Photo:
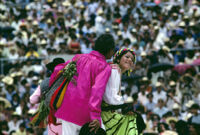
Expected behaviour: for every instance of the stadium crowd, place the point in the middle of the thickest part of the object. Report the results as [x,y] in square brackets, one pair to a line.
[164,86]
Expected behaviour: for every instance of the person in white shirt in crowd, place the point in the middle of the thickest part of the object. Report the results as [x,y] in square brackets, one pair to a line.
[164,55]
[172,99]
[142,95]
[42,48]
[160,109]
[15,122]
[189,41]
[133,35]
[37,67]
[88,28]
[159,93]
[92,7]
[27,67]
[123,8]
[194,8]
[126,33]
[150,105]
[85,46]
[99,22]
[22,107]
[174,85]
[111,2]
[190,57]
[176,111]
[13,55]
[195,114]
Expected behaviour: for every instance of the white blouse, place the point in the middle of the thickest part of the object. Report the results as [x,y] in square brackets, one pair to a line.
[111,95]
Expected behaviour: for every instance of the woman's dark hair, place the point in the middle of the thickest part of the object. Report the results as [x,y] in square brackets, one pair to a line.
[160,128]
[104,44]
[115,60]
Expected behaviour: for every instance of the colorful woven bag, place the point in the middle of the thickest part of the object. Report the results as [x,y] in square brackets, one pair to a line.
[53,97]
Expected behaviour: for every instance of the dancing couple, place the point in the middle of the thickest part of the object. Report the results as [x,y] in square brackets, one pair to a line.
[94,94]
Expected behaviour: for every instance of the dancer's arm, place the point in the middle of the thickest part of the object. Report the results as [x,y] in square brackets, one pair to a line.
[35,97]
[97,93]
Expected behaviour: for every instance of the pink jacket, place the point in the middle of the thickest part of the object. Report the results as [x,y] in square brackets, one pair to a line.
[82,102]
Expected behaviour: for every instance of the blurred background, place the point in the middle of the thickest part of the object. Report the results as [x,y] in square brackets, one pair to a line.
[165,34]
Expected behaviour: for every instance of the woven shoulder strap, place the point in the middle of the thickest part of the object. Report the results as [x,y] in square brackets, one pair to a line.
[44,86]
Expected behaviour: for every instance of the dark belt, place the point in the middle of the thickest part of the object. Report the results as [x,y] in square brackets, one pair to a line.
[126,107]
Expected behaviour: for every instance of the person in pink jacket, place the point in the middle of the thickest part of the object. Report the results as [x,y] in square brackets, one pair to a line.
[36,97]
[52,129]
[82,101]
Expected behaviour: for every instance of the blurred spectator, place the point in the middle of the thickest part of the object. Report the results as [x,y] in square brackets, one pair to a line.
[162,127]
[142,95]
[31,53]
[160,109]
[15,101]
[176,111]
[171,121]
[150,105]
[172,98]
[159,93]
[21,130]
[74,45]
[14,124]
[196,115]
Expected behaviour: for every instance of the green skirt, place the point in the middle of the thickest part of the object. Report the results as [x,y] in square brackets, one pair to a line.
[119,124]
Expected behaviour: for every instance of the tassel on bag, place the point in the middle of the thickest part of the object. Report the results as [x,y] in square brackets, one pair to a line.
[40,116]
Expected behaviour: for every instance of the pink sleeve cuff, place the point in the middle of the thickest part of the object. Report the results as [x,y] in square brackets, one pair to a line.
[35,97]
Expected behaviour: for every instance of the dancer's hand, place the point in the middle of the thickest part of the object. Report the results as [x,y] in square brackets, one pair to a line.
[95,124]
[130,113]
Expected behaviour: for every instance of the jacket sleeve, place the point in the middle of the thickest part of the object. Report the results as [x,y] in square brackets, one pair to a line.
[97,93]
[35,97]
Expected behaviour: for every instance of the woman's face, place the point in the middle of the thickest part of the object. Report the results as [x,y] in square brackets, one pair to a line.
[126,62]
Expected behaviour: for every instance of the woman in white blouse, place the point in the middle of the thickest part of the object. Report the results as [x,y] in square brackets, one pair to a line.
[115,122]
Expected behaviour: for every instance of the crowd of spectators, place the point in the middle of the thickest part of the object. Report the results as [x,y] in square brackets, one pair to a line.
[165,34]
